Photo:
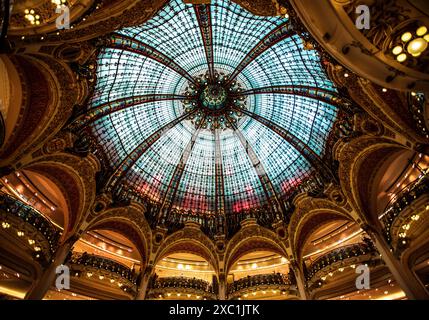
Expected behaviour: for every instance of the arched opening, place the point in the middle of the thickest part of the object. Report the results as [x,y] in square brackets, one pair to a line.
[261,274]
[395,171]
[39,192]
[183,272]
[334,254]
[107,258]
[33,214]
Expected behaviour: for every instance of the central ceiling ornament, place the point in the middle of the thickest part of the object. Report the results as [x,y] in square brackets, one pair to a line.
[217,101]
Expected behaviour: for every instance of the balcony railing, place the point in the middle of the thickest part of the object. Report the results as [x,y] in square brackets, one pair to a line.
[338,255]
[183,283]
[417,103]
[14,212]
[252,283]
[103,265]
[405,198]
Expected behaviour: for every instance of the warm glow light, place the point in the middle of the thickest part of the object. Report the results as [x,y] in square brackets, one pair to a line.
[402,57]
[397,50]
[59,2]
[417,46]
[406,36]
[421,31]
[254,266]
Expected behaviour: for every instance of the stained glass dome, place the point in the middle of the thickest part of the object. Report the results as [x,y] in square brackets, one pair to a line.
[210,109]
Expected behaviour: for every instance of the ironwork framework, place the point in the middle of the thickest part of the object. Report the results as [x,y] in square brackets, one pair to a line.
[138,116]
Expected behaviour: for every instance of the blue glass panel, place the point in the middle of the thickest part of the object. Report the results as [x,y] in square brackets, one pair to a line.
[123,72]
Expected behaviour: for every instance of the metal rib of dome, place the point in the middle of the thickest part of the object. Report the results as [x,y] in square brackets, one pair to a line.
[210,108]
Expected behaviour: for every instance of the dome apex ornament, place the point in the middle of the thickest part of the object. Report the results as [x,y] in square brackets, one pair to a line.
[217,101]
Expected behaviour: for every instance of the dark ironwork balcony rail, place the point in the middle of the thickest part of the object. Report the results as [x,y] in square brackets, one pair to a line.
[417,104]
[102,263]
[182,283]
[404,198]
[12,206]
[339,254]
[260,280]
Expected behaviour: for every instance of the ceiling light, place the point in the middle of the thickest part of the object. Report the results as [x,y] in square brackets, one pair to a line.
[406,36]
[417,46]
[397,50]
[421,31]
[402,57]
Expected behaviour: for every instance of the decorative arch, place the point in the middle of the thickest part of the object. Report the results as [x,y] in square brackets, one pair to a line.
[252,238]
[311,224]
[49,92]
[75,177]
[130,222]
[359,160]
[309,214]
[189,240]
[127,229]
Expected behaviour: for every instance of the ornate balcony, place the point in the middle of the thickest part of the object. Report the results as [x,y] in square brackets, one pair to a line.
[339,259]
[274,282]
[417,104]
[397,206]
[28,227]
[181,286]
[107,272]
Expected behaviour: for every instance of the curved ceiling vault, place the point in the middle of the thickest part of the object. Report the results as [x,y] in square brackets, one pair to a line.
[210,108]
